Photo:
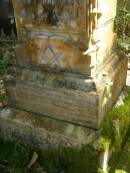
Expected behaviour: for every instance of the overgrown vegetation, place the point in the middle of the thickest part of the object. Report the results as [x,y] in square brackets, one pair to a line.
[117,121]
[114,129]
[123,25]
[7,66]
[7,59]
[123,158]
[14,158]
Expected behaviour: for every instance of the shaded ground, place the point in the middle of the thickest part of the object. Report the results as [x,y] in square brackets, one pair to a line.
[14,158]
[123,160]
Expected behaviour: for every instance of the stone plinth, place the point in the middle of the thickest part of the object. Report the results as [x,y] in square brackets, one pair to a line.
[42,132]
[68,66]
[69,97]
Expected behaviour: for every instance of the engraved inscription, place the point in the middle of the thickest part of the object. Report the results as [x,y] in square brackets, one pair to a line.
[54,34]
[66,84]
[54,51]
[58,81]
[60,14]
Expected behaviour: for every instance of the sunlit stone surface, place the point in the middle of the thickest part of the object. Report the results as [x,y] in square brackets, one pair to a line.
[55,33]
[68,65]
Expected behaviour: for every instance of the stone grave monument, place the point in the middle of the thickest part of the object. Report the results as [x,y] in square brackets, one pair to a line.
[69,68]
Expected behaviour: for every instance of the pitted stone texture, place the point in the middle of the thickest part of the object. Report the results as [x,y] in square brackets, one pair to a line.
[62,44]
[54,51]
[69,97]
[53,34]
[72,35]
[52,14]
[42,132]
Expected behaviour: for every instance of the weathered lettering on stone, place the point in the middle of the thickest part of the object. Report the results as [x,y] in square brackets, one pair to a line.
[59,14]
[53,33]
[66,84]
[65,48]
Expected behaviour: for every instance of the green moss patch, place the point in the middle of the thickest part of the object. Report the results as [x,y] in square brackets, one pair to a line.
[117,122]
[14,158]
[122,161]
[114,129]
[7,58]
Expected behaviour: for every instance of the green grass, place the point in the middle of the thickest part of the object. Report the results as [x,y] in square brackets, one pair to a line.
[3,98]
[114,129]
[7,59]
[122,161]
[116,124]
[70,160]
[14,158]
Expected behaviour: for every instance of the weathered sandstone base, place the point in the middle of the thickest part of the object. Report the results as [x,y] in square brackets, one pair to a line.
[42,132]
[69,97]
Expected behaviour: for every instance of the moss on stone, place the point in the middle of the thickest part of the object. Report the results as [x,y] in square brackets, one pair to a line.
[76,160]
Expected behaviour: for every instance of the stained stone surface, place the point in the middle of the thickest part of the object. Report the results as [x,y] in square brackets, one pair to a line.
[68,64]
[58,51]
[70,34]
[69,97]
[53,33]
[59,14]
[42,132]
[60,96]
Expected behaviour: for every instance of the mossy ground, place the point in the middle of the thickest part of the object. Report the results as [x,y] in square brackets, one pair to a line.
[115,130]
[122,161]
[14,158]
[7,58]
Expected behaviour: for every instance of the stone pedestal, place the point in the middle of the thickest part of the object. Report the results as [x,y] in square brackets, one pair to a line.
[73,98]
[68,66]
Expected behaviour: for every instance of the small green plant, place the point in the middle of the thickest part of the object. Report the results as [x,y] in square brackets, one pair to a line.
[121,23]
[123,16]
[6,57]
[3,98]
[14,158]
[115,127]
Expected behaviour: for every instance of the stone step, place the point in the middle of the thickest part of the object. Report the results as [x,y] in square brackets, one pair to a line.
[42,132]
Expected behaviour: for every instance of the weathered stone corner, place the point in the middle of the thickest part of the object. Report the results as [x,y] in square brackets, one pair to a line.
[69,69]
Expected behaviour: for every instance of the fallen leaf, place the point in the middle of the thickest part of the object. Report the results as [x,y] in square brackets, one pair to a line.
[1,105]
[33,160]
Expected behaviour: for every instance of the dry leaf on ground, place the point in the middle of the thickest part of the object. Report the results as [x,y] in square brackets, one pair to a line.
[33,160]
